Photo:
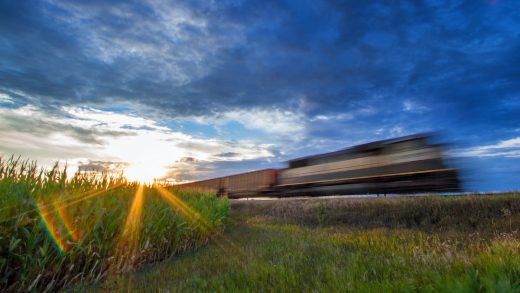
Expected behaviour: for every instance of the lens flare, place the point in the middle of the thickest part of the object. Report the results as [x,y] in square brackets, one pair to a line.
[66,202]
[65,220]
[129,239]
[186,212]
[51,228]
[230,248]
[52,214]
[77,199]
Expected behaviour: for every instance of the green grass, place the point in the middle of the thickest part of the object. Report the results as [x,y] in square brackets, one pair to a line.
[446,244]
[57,231]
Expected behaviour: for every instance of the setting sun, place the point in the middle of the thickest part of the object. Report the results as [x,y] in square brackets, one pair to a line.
[143,172]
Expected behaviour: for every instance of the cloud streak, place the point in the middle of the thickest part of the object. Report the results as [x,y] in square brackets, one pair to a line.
[509,148]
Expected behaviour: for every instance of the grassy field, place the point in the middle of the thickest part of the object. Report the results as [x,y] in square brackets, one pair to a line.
[427,244]
[56,231]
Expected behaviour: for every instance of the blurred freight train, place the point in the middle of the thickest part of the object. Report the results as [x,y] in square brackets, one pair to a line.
[402,165]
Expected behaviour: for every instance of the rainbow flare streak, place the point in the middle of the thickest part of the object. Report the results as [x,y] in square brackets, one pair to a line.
[51,228]
[66,202]
[65,220]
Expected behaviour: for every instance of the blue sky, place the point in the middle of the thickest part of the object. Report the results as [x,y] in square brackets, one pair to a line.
[197,89]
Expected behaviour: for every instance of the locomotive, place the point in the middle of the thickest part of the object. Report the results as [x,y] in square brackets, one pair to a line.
[407,164]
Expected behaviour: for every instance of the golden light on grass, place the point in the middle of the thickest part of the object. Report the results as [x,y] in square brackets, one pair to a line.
[190,215]
[52,229]
[129,239]
[56,219]
[87,195]
[195,217]
[66,221]
[185,211]
[64,202]
[230,248]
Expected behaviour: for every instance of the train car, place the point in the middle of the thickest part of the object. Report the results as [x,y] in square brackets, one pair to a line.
[250,184]
[210,185]
[402,165]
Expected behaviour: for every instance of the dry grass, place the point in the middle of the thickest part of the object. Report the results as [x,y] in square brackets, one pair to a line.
[435,244]
[475,212]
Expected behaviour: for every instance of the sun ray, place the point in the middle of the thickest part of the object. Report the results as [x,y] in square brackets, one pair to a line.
[76,200]
[230,248]
[129,239]
[186,211]
[65,220]
[66,202]
[51,228]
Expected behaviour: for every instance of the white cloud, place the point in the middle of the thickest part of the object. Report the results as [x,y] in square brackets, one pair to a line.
[505,148]
[142,142]
[396,130]
[269,120]
[337,117]
[346,116]
[89,117]
[282,123]
[5,99]
[413,106]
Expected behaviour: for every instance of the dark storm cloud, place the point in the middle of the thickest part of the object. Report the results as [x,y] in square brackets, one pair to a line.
[457,59]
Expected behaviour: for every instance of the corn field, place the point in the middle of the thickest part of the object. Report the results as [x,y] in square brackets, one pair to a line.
[57,231]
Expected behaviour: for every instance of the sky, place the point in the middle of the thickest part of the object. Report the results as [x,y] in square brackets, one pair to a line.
[187,90]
